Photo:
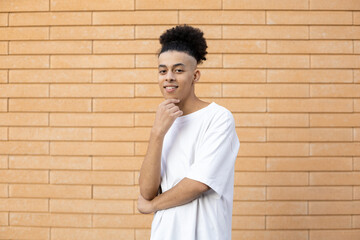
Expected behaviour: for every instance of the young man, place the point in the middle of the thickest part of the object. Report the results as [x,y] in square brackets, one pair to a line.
[187,175]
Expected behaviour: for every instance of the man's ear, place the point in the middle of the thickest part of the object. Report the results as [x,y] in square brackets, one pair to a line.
[197,75]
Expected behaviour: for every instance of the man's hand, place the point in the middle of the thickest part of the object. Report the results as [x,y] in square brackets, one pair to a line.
[165,116]
[145,206]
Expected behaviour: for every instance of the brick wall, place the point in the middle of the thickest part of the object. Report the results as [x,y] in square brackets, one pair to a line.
[77,99]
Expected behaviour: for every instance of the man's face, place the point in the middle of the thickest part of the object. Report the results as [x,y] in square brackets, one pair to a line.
[176,74]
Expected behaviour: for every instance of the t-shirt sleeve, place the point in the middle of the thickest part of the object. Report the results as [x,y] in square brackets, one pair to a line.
[215,156]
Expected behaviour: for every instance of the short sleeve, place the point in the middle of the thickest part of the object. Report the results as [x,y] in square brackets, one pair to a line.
[215,156]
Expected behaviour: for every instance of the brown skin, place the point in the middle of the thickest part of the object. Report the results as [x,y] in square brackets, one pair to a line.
[180,69]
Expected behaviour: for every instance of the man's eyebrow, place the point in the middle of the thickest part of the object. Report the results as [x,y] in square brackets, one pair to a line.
[175,65]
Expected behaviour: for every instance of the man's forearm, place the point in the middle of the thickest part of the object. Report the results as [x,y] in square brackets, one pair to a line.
[149,180]
[182,193]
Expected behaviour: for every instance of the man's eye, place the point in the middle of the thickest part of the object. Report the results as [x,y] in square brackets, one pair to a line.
[162,71]
[178,70]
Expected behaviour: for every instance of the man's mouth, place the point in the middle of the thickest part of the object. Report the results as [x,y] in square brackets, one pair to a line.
[170,89]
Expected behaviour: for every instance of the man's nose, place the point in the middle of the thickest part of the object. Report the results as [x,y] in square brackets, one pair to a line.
[170,76]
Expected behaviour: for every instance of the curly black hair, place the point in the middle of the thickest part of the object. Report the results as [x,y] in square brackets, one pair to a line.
[184,38]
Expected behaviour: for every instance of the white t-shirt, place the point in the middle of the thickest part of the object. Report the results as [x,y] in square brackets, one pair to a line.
[202,146]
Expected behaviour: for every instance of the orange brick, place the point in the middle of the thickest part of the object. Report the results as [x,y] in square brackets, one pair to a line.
[334,207]
[174,4]
[268,178]
[356,105]
[310,75]
[338,90]
[127,105]
[357,189]
[265,90]
[3,48]
[248,222]
[233,75]
[350,234]
[25,232]
[356,76]
[91,234]
[135,17]
[140,148]
[265,61]
[4,192]
[61,5]
[263,4]
[50,105]
[49,133]
[356,133]
[117,163]
[324,47]
[24,33]
[251,163]
[251,134]
[154,31]
[236,46]
[24,90]
[356,221]
[265,32]
[271,120]
[241,105]
[4,219]
[308,134]
[91,177]
[334,178]
[309,17]
[24,147]
[249,193]
[122,221]
[92,32]
[126,46]
[4,105]
[222,17]
[91,206]
[50,18]
[125,76]
[335,61]
[4,19]
[308,222]
[18,204]
[92,119]
[20,119]
[342,149]
[3,76]
[335,5]
[309,105]
[50,47]
[50,220]
[269,208]
[24,5]
[144,119]
[121,134]
[309,193]
[270,235]
[309,164]
[24,61]
[334,32]
[91,148]
[49,162]
[91,90]
[23,176]
[142,234]
[118,192]
[4,133]
[335,120]
[50,76]
[92,61]
[356,46]
[356,18]
[49,191]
